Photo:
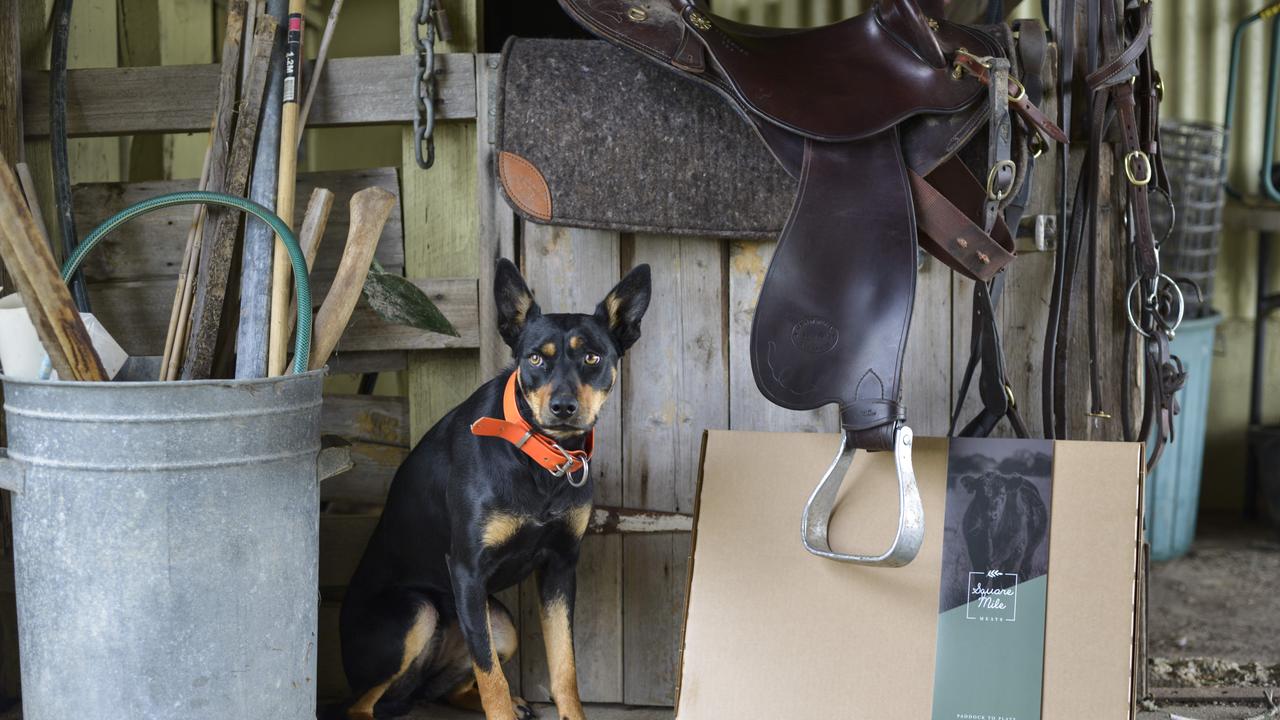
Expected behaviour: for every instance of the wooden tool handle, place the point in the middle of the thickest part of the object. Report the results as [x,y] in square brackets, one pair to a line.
[370,209]
[47,299]
[286,187]
[313,227]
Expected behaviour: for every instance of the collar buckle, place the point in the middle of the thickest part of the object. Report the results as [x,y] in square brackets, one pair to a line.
[568,461]
[566,470]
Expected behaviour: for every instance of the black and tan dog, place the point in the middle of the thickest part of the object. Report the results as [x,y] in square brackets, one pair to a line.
[475,509]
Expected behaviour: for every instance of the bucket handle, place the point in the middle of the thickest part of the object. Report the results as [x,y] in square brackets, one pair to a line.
[302,346]
[332,461]
[12,477]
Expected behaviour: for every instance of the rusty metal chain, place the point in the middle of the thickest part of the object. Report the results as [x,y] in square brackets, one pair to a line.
[431,22]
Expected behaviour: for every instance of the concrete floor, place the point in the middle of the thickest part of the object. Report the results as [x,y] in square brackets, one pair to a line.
[1213,623]
[609,712]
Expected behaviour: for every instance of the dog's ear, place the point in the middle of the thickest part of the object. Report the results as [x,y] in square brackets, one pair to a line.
[625,304]
[515,302]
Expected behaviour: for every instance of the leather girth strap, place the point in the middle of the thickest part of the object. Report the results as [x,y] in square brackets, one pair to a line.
[519,432]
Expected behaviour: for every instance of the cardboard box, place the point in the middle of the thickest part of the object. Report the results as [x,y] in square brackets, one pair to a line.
[774,633]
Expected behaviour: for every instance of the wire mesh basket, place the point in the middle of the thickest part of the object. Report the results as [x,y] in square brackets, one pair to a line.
[1193,157]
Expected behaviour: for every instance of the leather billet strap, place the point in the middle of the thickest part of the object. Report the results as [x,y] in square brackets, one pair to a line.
[1032,47]
[994,389]
[998,401]
[1001,172]
[948,224]
[1018,97]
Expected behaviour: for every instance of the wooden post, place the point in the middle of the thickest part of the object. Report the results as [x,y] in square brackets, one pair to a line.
[10,146]
[10,116]
[140,44]
[440,226]
[186,37]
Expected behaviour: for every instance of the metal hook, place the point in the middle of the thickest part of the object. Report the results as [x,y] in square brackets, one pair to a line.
[821,505]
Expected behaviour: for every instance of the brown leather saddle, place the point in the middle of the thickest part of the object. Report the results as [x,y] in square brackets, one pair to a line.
[869,115]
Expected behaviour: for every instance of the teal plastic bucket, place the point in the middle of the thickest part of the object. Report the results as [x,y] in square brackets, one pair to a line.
[1173,489]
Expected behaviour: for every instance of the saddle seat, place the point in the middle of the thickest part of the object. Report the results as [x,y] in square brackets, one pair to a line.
[839,82]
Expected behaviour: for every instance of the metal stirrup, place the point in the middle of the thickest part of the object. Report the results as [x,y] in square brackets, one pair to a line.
[817,512]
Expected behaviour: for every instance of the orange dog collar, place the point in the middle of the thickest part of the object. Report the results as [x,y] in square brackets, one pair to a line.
[544,451]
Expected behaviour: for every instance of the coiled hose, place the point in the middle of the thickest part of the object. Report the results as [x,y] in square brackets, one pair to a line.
[302,346]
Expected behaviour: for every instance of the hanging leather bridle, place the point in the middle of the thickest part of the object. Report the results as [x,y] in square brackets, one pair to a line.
[1122,88]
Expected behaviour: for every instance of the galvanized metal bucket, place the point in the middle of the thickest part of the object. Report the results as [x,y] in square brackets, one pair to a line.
[166,546]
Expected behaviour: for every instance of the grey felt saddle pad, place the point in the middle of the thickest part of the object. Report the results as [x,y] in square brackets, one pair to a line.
[590,135]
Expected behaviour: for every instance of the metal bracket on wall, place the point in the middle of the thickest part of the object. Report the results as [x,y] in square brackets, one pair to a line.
[1037,233]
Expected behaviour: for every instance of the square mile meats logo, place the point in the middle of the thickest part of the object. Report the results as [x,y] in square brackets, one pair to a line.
[993,597]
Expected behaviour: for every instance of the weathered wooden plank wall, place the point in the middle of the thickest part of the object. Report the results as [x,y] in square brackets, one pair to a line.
[441,222]
[676,384]
[570,270]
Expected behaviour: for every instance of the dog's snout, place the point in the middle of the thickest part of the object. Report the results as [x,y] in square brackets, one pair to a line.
[564,406]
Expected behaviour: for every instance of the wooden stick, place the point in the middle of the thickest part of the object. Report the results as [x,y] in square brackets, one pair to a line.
[286,188]
[370,209]
[321,56]
[33,201]
[48,301]
[183,329]
[313,226]
[178,315]
[213,178]
[215,256]
[250,17]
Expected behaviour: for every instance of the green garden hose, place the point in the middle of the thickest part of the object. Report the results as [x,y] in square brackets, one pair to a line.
[302,346]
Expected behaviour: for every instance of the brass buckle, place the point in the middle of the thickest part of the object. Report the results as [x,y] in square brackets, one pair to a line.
[960,69]
[1129,169]
[1002,193]
[1038,145]
[983,60]
[1008,394]
[1022,90]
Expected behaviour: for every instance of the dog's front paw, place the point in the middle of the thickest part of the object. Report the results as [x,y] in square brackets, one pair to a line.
[524,711]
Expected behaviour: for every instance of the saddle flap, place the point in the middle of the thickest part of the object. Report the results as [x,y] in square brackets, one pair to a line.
[831,323]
